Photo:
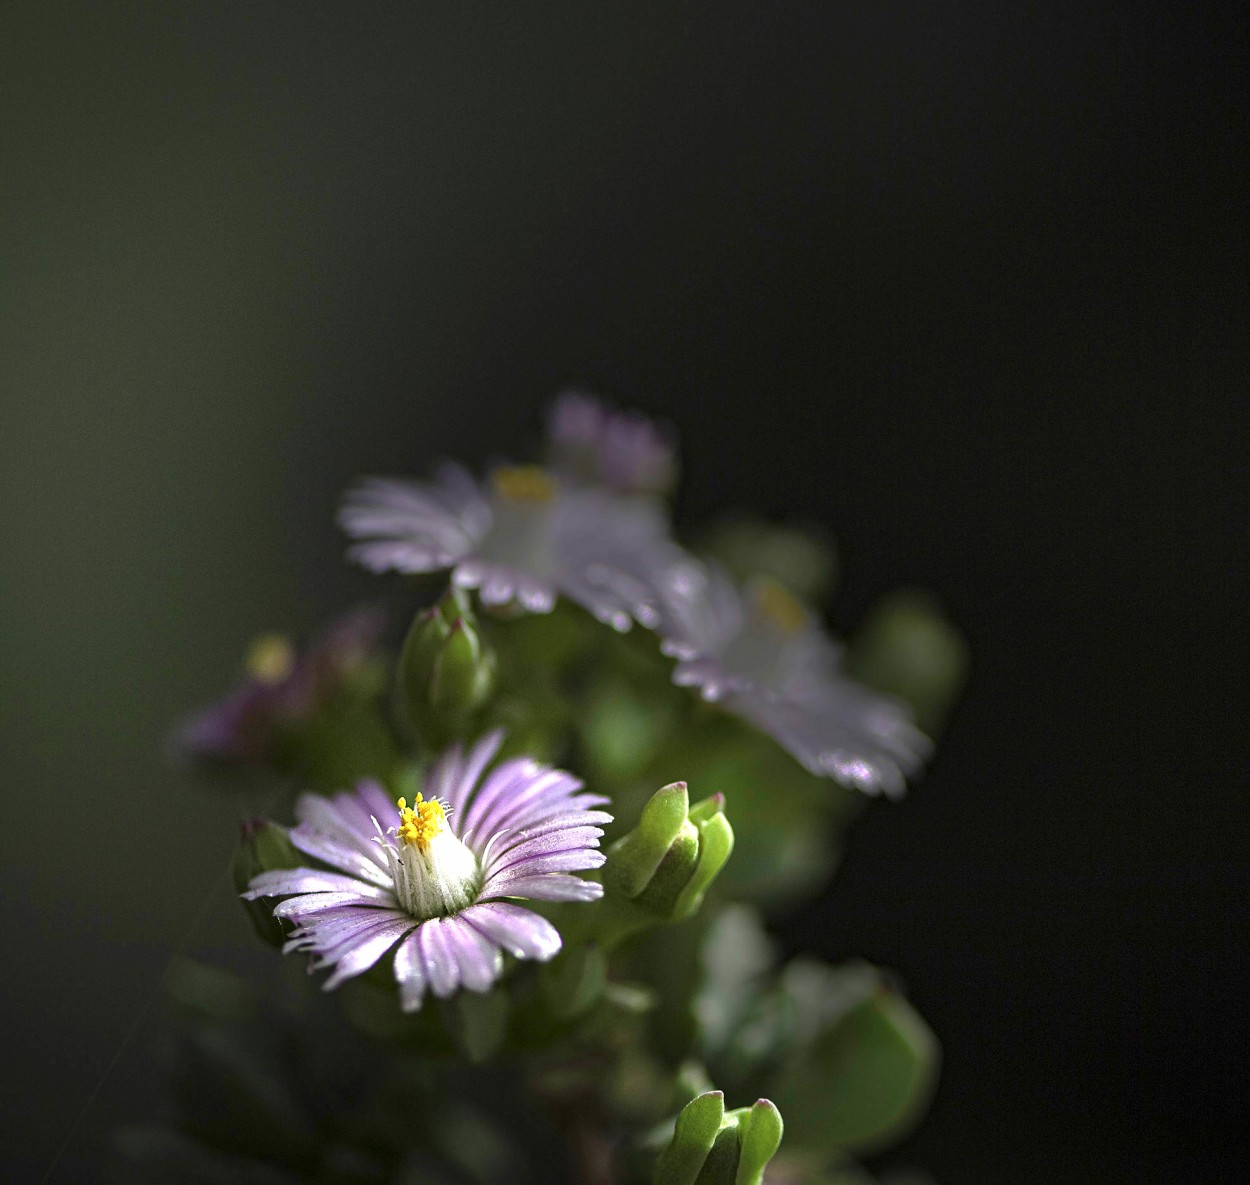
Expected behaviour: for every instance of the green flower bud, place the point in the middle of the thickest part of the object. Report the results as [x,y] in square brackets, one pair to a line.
[263,846]
[665,865]
[907,647]
[446,672]
[712,1146]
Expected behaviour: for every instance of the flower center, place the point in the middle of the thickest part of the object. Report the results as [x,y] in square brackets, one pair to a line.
[270,659]
[776,604]
[421,822]
[434,872]
[523,483]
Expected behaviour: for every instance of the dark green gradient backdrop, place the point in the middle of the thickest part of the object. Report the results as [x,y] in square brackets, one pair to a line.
[966,280]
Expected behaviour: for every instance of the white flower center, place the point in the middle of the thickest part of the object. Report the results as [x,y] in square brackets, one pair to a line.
[435,874]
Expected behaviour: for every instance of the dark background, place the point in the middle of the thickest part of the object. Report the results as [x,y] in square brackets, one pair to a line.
[967,281]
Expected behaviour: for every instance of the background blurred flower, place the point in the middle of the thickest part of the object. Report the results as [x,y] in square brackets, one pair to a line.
[763,655]
[282,690]
[521,540]
[622,451]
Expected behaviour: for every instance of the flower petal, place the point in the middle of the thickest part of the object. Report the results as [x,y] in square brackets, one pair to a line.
[442,970]
[298,908]
[572,859]
[343,819]
[408,971]
[520,932]
[548,886]
[549,787]
[283,882]
[340,856]
[556,840]
[367,950]
[480,959]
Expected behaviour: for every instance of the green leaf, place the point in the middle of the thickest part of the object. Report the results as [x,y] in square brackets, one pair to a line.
[864,1081]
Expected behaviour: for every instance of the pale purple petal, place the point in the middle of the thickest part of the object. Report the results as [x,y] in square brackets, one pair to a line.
[326,931]
[282,882]
[570,818]
[362,955]
[377,804]
[500,584]
[454,776]
[521,932]
[342,819]
[622,450]
[299,908]
[539,810]
[412,526]
[551,886]
[408,972]
[442,970]
[502,781]
[573,858]
[545,789]
[338,855]
[479,959]
[540,841]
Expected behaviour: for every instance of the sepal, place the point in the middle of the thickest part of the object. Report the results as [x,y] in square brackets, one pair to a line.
[263,847]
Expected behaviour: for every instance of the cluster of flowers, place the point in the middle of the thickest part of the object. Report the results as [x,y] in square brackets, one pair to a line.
[590,527]
[457,848]
[438,881]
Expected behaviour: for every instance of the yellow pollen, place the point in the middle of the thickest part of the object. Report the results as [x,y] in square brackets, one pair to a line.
[524,483]
[271,658]
[421,822]
[780,606]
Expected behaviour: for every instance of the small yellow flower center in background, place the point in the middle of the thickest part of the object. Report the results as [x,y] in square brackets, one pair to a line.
[271,658]
[421,822]
[780,606]
[524,483]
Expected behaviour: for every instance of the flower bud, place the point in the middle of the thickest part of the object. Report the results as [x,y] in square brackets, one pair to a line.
[446,672]
[665,865]
[263,846]
[711,1146]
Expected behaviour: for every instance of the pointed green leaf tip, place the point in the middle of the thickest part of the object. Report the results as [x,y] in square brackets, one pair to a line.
[761,1129]
[697,1126]
[716,843]
[713,1147]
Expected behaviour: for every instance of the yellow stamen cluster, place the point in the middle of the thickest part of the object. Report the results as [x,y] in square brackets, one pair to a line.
[271,658]
[524,483]
[421,822]
[780,606]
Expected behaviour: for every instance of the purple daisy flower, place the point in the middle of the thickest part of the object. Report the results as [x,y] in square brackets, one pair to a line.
[622,451]
[520,540]
[436,879]
[764,656]
[282,689]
